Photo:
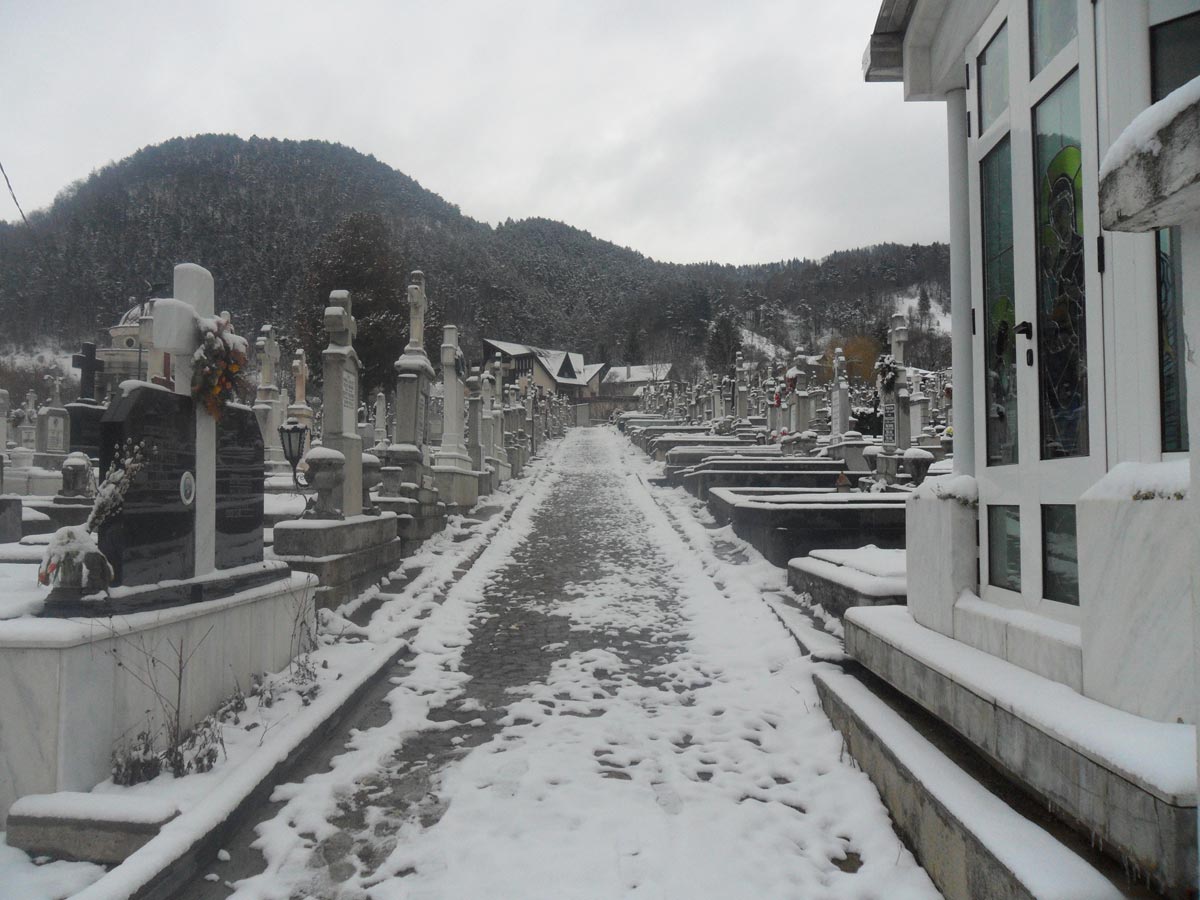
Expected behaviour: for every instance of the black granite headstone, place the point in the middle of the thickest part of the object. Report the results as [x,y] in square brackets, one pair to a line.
[86,416]
[152,539]
[240,474]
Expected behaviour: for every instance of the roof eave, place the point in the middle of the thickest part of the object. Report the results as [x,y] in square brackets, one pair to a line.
[884,56]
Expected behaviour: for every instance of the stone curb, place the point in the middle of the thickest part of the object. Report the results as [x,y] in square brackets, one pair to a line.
[180,870]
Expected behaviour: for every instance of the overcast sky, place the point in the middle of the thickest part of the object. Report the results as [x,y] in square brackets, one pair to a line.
[732,130]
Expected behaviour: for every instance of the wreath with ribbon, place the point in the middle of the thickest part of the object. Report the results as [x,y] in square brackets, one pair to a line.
[218,366]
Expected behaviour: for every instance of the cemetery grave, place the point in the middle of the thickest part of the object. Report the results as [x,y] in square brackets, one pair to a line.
[164,550]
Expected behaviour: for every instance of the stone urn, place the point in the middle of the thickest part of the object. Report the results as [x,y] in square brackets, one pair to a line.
[76,472]
[326,472]
[917,462]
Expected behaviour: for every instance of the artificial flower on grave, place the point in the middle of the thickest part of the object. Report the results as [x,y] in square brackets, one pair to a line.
[218,365]
[887,371]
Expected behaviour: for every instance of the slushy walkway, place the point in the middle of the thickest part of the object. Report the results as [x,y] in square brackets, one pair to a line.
[589,714]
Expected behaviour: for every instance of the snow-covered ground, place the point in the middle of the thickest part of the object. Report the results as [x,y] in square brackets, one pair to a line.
[276,714]
[751,340]
[597,709]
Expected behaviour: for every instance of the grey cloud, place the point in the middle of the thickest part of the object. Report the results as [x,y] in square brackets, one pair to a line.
[687,130]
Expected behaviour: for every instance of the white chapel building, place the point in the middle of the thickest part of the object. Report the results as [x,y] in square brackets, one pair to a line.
[1050,613]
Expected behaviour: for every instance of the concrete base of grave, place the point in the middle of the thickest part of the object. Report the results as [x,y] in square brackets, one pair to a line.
[838,589]
[347,555]
[458,488]
[10,520]
[502,471]
[485,480]
[699,483]
[76,685]
[1125,783]
[51,461]
[420,514]
[32,482]
[850,450]
[99,828]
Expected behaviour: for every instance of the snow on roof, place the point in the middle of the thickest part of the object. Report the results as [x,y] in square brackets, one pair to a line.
[510,349]
[551,360]
[589,372]
[637,374]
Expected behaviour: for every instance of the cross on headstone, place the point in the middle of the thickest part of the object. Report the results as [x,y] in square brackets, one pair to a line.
[417,304]
[898,335]
[341,366]
[300,378]
[89,367]
[268,350]
[176,334]
[55,383]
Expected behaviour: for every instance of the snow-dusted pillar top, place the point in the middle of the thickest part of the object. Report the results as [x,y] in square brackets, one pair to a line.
[1150,176]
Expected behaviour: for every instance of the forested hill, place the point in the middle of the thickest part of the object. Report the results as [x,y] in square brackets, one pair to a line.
[281,223]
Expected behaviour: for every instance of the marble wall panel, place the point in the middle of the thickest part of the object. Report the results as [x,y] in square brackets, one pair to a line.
[1138,651]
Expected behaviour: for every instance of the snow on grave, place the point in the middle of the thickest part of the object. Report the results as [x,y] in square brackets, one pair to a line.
[192,598]
[347,548]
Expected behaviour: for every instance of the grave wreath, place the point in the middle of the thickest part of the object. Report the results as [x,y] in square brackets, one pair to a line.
[219,365]
[887,370]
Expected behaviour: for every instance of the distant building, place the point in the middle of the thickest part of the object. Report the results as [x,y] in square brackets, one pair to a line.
[629,381]
[554,371]
[130,354]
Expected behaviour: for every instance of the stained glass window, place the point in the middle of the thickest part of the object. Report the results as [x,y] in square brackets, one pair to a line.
[993,79]
[1060,554]
[999,319]
[1172,380]
[1052,25]
[1004,547]
[1061,312]
[1174,61]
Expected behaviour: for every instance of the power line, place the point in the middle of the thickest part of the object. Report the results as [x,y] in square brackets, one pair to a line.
[13,194]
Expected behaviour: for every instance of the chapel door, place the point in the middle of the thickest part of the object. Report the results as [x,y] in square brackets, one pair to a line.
[1036,291]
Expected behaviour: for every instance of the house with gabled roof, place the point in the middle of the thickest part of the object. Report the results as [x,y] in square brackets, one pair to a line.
[630,381]
[554,371]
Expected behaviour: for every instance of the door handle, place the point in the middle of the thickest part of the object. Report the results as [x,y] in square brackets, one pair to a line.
[1025,328]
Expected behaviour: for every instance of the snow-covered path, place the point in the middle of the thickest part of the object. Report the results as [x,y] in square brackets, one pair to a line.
[590,713]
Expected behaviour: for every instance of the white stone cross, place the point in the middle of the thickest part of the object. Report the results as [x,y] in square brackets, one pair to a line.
[300,378]
[898,334]
[268,349]
[176,334]
[417,304]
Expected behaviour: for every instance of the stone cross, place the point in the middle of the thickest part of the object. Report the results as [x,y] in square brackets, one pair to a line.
[300,378]
[176,334]
[417,304]
[341,365]
[89,367]
[380,418]
[268,349]
[55,383]
[898,335]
